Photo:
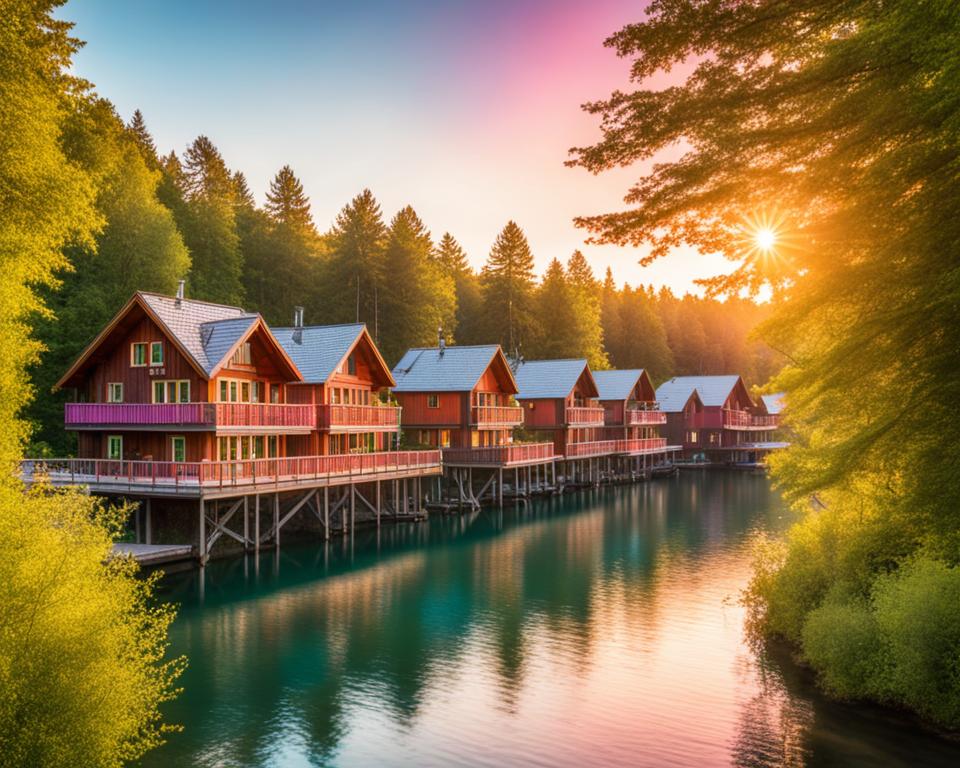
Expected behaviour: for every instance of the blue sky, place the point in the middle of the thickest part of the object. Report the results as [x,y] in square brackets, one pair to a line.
[463,110]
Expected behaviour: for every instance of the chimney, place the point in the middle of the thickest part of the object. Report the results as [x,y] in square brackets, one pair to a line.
[180,285]
[441,341]
[298,325]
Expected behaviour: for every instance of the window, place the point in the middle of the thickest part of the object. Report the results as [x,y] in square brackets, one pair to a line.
[242,356]
[223,390]
[352,365]
[138,354]
[115,392]
[433,401]
[258,447]
[244,391]
[274,393]
[115,447]
[171,391]
[444,438]
[255,392]
[335,396]
[233,391]
[178,448]
[156,353]
[272,446]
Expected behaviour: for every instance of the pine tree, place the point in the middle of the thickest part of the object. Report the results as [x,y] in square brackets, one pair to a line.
[585,295]
[508,292]
[453,261]
[144,141]
[419,298]
[209,225]
[556,309]
[354,275]
[451,256]
[242,196]
[286,202]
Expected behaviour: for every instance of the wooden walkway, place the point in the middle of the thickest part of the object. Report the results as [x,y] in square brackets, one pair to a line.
[154,554]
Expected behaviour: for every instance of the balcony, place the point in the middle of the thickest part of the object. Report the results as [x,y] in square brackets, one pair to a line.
[584,417]
[228,417]
[197,478]
[497,416]
[639,417]
[500,455]
[642,446]
[749,421]
[358,418]
[592,448]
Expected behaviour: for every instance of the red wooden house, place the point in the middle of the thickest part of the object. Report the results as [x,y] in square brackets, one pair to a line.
[559,399]
[630,410]
[461,399]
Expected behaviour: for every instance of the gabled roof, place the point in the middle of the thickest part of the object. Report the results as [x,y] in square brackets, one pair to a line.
[206,334]
[323,348]
[773,403]
[617,385]
[458,369]
[713,391]
[545,379]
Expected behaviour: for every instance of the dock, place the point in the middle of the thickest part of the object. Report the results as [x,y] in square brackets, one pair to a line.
[154,554]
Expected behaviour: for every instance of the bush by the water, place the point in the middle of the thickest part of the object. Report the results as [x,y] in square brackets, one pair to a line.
[872,620]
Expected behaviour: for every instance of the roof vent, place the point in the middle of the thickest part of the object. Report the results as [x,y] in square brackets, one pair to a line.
[180,286]
[298,325]
[441,341]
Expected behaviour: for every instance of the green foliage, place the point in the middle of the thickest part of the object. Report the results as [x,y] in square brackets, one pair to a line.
[508,292]
[839,124]
[585,298]
[556,313]
[419,298]
[469,297]
[82,645]
[841,641]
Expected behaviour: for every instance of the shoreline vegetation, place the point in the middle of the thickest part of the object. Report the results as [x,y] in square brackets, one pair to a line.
[817,146]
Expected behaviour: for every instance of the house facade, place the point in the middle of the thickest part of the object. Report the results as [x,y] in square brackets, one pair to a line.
[631,412]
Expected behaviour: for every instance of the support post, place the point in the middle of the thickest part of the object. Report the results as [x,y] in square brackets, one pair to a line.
[276,521]
[246,523]
[378,503]
[326,513]
[203,534]
[256,523]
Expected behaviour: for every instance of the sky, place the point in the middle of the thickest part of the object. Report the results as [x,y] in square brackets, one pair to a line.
[464,110]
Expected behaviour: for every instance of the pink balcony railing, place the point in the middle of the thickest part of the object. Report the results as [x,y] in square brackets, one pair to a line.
[592,448]
[642,445]
[210,415]
[584,417]
[497,416]
[358,418]
[638,417]
[747,420]
[171,476]
[517,453]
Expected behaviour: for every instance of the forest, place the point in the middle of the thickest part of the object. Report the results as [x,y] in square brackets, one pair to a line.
[166,216]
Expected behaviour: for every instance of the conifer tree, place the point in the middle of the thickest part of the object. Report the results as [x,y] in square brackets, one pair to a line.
[353,278]
[286,202]
[556,309]
[453,261]
[144,141]
[508,292]
[420,298]
[209,225]
[585,295]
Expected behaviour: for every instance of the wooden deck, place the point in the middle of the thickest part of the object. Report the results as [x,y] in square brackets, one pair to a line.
[154,554]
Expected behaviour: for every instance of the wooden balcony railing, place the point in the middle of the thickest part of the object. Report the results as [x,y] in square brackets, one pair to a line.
[747,420]
[592,448]
[516,453]
[584,417]
[497,416]
[642,445]
[170,476]
[638,417]
[360,418]
[201,415]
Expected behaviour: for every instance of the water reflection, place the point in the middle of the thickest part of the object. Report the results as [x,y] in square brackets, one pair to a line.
[584,630]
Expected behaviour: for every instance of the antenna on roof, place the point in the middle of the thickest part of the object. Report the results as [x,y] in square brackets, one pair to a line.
[180,285]
[442,343]
[298,325]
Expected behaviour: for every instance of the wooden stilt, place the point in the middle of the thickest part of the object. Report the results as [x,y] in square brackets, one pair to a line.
[246,523]
[326,514]
[256,523]
[148,522]
[378,503]
[203,534]
[276,521]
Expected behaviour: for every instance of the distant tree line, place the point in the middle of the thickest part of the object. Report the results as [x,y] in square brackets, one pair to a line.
[171,216]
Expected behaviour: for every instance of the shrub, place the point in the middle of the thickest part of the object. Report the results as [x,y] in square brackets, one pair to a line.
[841,642]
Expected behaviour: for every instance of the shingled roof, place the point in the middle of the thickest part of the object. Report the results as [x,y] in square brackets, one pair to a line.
[457,369]
[617,385]
[546,379]
[321,347]
[713,391]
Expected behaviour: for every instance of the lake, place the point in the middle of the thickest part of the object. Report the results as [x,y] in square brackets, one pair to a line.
[597,628]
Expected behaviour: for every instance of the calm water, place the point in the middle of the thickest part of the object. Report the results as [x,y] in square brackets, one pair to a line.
[594,629]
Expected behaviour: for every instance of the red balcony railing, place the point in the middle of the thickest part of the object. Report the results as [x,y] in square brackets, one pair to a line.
[209,415]
[584,417]
[638,417]
[497,416]
[358,417]
[592,448]
[170,476]
[747,420]
[642,445]
[517,453]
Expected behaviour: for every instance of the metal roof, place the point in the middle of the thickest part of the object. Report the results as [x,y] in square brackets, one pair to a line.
[458,369]
[321,348]
[773,403]
[617,385]
[713,391]
[206,331]
[548,378]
